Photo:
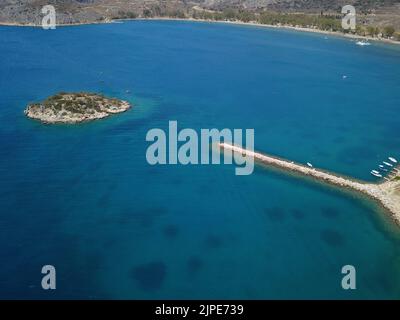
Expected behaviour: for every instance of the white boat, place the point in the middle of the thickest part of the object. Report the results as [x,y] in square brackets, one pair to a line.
[344,77]
[381,166]
[363,43]
[310,165]
[393,159]
[374,171]
[388,164]
[376,174]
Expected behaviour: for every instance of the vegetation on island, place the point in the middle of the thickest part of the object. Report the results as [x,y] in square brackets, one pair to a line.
[75,107]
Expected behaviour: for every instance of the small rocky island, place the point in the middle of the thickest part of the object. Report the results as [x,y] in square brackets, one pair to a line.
[75,107]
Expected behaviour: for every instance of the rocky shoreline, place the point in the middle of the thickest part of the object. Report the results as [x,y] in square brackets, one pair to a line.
[71,108]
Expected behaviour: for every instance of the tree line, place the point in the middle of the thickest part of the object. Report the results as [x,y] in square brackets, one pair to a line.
[325,22]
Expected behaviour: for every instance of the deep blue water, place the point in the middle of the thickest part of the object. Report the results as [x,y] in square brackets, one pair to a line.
[84,199]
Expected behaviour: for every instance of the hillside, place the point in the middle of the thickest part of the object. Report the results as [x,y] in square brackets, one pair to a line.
[371,12]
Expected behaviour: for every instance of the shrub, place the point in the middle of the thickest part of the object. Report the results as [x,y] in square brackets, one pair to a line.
[388,31]
[147,13]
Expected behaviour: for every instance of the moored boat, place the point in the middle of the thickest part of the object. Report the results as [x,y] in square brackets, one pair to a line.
[376,174]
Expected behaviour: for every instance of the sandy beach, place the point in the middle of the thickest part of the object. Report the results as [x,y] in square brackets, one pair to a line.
[331,33]
[255,24]
[301,29]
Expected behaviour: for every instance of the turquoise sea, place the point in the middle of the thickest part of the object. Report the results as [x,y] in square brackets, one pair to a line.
[84,199]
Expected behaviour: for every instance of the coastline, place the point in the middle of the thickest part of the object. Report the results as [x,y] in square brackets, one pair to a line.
[241,23]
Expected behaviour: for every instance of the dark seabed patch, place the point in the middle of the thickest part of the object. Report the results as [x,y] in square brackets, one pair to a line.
[145,218]
[213,241]
[332,238]
[329,212]
[194,264]
[150,276]
[171,231]
[275,214]
[298,214]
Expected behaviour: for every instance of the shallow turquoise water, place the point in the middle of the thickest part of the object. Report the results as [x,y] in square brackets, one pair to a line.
[84,199]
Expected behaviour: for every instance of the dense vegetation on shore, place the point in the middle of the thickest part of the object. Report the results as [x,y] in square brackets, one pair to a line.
[325,22]
[375,18]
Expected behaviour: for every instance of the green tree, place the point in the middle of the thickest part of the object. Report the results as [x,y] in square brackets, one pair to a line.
[245,16]
[131,15]
[147,13]
[388,31]
[371,30]
[360,30]
[229,14]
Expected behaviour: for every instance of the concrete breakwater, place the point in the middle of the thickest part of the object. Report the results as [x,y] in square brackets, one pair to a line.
[387,193]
